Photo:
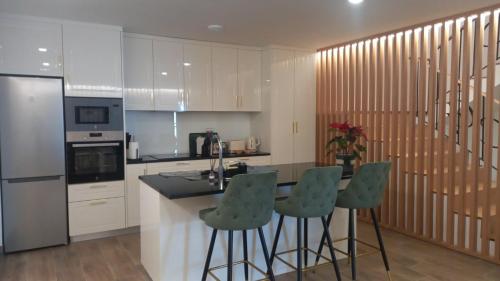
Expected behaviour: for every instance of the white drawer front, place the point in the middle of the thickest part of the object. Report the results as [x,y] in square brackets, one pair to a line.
[177,166]
[96,216]
[254,160]
[98,190]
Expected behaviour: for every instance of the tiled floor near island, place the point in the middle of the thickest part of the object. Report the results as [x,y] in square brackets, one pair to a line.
[117,259]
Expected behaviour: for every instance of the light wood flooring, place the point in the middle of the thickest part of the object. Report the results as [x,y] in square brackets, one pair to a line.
[117,259]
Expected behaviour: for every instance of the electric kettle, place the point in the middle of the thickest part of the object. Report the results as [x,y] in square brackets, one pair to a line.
[253,143]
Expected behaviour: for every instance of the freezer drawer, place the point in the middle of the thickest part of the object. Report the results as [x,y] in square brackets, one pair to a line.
[34,213]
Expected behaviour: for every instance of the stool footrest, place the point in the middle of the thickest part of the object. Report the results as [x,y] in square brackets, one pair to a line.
[252,265]
[277,256]
[359,241]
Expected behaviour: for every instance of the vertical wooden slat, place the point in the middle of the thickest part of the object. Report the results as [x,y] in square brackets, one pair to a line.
[352,73]
[334,100]
[345,86]
[387,122]
[476,129]
[340,85]
[326,117]
[421,139]
[414,41]
[497,197]
[359,80]
[403,133]
[443,73]
[372,102]
[380,99]
[452,136]
[432,127]
[396,43]
[318,94]
[464,132]
[489,115]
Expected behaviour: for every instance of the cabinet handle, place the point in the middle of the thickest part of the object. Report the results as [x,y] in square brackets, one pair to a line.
[98,203]
[182,163]
[98,186]
[244,159]
[296,127]
[241,101]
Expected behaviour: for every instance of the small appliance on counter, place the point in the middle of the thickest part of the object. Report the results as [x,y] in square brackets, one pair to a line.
[253,144]
[237,146]
[132,147]
[196,142]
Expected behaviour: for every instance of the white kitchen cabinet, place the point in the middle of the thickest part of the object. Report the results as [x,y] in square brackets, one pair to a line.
[304,96]
[98,190]
[138,73]
[168,76]
[287,123]
[250,160]
[198,77]
[133,208]
[96,216]
[30,47]
[225,77]
[92,60]
[249,80]
[177,166]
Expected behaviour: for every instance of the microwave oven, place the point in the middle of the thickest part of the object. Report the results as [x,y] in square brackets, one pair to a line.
[84,114]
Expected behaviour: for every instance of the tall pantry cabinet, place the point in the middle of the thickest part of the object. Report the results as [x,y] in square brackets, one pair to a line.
[287,123]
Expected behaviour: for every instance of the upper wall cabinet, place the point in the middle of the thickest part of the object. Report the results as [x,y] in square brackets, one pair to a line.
[92,60]
[249,80]
[30,48]
[197,77]
[225,77]
[168,76]
[138,73]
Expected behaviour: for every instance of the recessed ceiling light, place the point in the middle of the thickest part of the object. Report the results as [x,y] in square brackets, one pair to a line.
[215,27]
[187,64]
[355,2]
[43,50]
[164,73]
[46,64]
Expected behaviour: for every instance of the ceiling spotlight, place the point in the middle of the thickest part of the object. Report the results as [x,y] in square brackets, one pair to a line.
[215,27]
[43,50]
[187,64]
[355,2]
[164,73]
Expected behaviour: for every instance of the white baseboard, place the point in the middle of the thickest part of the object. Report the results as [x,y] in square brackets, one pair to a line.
[105,234]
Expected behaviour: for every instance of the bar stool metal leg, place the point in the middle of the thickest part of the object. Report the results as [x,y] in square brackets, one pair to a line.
[323,238]
[266,254]
[209,255]
[245,254]
[299,250]
[332,251]
[352,244]
[306,244]
[381,243]
[230,256]
[276,239]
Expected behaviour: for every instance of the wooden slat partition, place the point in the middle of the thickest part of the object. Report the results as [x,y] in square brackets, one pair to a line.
[425,110]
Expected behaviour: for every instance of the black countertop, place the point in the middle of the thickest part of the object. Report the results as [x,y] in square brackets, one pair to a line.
[186,157]
[177,187]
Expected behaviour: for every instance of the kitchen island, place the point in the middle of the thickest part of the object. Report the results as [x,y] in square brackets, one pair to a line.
[174,241]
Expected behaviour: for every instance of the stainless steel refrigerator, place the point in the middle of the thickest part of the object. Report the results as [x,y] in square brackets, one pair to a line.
[32,160]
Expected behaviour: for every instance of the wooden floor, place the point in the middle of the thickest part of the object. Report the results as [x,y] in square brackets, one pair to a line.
[118,259]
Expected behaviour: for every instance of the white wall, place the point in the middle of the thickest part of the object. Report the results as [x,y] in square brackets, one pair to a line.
[168,132]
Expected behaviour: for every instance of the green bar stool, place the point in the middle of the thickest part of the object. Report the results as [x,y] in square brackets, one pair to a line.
[313,197]
[364,191]
[247,204]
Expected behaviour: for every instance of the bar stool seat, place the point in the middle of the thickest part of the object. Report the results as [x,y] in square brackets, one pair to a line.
[364,191]
[247,204]
[313,197]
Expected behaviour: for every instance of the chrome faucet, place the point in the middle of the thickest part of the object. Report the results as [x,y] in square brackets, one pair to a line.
[220,171]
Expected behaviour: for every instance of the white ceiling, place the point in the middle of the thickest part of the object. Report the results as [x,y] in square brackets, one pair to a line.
[299,23]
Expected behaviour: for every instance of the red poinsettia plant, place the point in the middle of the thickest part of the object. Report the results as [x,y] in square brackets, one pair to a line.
[346,138]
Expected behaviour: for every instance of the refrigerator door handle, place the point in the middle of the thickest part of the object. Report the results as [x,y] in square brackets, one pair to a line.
[48,178]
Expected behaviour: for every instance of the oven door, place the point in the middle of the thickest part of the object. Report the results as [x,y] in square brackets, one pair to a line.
[95,161]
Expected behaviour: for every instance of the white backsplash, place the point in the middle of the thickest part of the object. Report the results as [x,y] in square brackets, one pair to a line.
[168,132]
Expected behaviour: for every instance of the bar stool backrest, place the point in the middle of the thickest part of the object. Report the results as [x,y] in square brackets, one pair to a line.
[315,194]
[367,186]
[248,202]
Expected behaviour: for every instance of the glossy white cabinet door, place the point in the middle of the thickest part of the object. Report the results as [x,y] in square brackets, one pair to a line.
[30,48]
[132,183]
[198,77]
[92,61]
[225,77]
[168,76]
[249,80]
[304,108]
[138,73]
[282,86]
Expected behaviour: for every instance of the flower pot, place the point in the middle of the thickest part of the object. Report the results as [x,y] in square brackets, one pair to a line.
[345,160]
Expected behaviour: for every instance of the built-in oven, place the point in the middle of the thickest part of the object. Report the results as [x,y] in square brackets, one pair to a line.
[95,161]
[93,114]
[94,139]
